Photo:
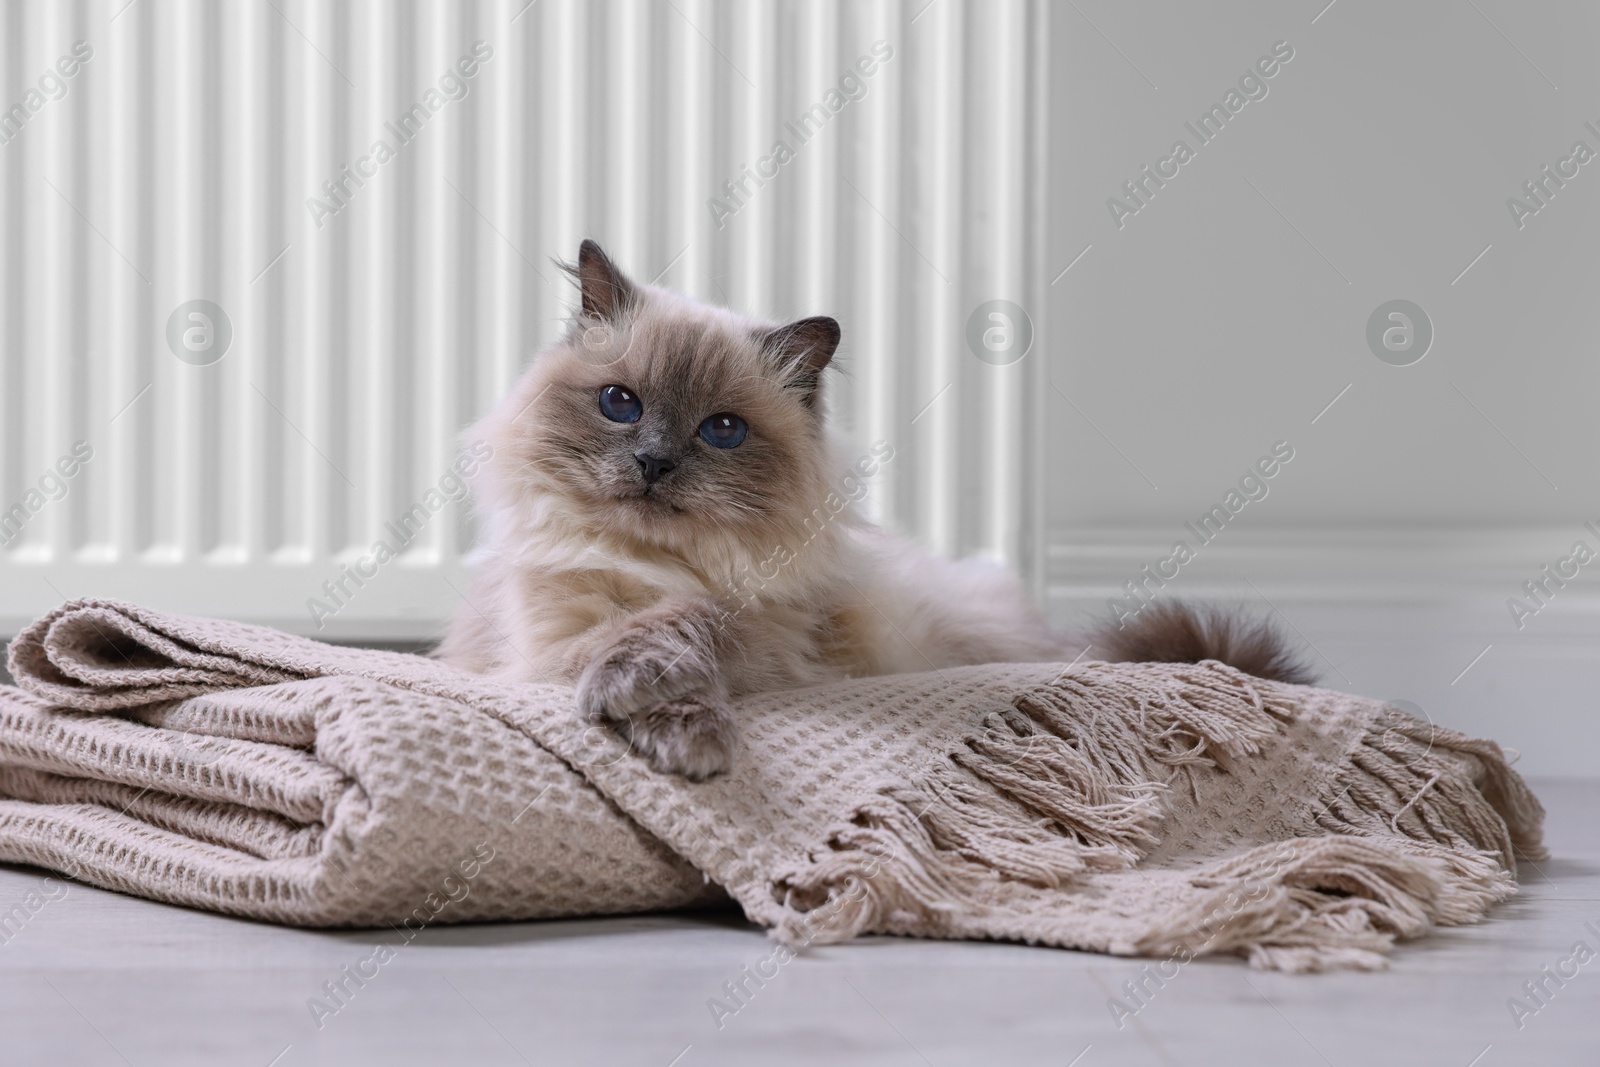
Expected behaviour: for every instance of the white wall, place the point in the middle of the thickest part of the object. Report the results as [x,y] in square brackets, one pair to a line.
[1214,323]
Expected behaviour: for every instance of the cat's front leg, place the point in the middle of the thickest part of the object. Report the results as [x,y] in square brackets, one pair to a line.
[656,675]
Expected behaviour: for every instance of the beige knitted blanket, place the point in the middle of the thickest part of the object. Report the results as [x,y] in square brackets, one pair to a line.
[1161,809]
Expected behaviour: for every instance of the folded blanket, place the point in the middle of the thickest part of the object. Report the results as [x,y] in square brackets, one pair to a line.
[1160,809]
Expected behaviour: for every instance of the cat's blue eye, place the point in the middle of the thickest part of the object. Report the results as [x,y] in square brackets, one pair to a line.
[723,431]
[618,404]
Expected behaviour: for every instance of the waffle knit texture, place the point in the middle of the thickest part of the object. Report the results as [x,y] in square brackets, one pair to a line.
[1169,810]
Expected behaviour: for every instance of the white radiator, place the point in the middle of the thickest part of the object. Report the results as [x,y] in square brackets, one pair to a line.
[263,336]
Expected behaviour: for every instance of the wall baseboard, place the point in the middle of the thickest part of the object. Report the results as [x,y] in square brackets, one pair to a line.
[1465,567]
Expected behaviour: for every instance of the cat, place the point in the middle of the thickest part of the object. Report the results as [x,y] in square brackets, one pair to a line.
[668,525]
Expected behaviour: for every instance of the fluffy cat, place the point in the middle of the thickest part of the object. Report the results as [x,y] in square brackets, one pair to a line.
[667,524]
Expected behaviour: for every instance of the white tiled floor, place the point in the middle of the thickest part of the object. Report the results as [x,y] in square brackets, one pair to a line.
[97,978]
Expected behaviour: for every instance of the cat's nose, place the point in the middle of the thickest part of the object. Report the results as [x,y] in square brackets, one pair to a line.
[653,466]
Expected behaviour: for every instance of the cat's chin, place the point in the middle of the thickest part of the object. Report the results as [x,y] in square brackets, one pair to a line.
[648,503]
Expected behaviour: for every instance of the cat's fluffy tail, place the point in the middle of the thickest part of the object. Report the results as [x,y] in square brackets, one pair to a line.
[1176,632]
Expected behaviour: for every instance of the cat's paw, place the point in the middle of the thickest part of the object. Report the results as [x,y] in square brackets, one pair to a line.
[639,669]
[693,736]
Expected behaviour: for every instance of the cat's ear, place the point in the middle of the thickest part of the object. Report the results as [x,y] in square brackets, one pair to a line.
[607,292]
[801,350]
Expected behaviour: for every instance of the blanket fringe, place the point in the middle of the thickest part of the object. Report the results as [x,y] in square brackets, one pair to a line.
[1072,779]
[1431,784]
[1324,903]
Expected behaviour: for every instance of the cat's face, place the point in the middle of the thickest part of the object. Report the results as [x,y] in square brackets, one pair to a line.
[668,419]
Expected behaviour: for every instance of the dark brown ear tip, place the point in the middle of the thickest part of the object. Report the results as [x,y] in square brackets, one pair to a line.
[805,345]
[829,327]
[607,293]
[817,330]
